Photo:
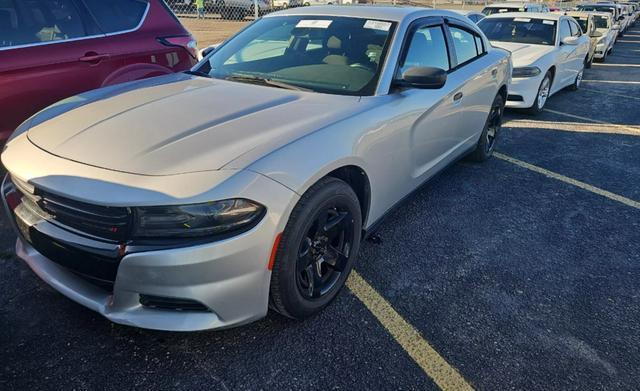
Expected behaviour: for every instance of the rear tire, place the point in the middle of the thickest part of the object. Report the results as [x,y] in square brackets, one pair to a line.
[313,259]
[543,94]
[493,125]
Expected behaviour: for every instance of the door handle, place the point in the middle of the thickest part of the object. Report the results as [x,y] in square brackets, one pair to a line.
[93,57]
[457,97]
[494,72]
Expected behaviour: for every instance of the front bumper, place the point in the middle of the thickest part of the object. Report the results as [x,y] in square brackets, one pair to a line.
[228,278]
[526,88]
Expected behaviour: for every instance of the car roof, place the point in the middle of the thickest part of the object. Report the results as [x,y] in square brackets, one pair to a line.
[465,12]
[531,15]
[576,13]
[508,4]
[390,13]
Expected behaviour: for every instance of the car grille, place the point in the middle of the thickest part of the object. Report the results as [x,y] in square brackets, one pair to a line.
[111,223]
[94,248]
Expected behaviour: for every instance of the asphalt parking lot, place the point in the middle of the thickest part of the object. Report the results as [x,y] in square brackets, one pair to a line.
[494,276]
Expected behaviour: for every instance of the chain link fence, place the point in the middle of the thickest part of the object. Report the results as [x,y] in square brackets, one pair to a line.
[245,10]
[250,9]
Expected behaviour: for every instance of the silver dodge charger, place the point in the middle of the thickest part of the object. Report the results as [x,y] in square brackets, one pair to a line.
[200,200]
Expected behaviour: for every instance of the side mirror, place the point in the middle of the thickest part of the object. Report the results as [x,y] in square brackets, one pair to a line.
[596,34]
[570,41]
[423,77]
[208,50]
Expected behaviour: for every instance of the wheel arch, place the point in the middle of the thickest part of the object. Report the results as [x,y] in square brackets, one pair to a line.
[552,69]
[503,92]
[358,180]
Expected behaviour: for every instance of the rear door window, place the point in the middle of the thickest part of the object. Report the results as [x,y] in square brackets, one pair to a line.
[117,15]
[465,44]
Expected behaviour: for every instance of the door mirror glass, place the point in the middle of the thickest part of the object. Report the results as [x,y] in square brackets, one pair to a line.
[423,77]
[570,41]
[206,51]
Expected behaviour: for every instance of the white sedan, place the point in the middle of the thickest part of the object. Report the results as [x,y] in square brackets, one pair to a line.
[609,30]
[549,52]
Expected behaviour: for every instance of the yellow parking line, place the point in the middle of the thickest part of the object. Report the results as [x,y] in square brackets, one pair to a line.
[562,178]
[610,93]
[611,81]
[434,365]
[599,64]
[626,127]
[577,127]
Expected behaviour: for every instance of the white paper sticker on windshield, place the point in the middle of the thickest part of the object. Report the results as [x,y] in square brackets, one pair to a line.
[550,22]
[503,10]
[377,25]
[316,24]
[523,20]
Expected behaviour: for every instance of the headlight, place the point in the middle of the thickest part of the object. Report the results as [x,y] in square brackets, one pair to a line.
[196,220]
[526,72]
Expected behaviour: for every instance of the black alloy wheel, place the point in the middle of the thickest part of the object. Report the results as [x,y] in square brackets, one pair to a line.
[324,251]
[317,249]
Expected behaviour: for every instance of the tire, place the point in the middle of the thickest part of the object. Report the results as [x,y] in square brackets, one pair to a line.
[539,103]
[493,125]
[291,293]
[587,62]
[577,81]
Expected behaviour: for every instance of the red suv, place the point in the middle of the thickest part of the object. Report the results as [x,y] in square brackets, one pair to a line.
[53,49]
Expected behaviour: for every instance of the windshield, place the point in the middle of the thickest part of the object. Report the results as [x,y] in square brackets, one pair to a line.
[521,30]
[600,8]
[338,55]
[500,10]
[600,22]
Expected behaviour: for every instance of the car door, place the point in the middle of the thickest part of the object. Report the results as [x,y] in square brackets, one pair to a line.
[565,57]
[581,49]
[476,75]
[433,115]
[48,54]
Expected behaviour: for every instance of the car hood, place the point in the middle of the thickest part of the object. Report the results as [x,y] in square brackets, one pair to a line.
[523,54]
[181,123]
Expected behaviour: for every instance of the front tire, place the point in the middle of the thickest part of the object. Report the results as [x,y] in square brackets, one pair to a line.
[493,125]
[317,249]
[543,94]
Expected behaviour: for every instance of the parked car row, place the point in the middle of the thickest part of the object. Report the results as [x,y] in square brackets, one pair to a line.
[550,50]
[200,199]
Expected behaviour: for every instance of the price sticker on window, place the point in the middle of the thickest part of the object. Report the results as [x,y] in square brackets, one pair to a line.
[549,22]
[377,25]
[314,24]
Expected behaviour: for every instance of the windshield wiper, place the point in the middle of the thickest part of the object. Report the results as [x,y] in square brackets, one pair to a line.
[198,73]
[265,82]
